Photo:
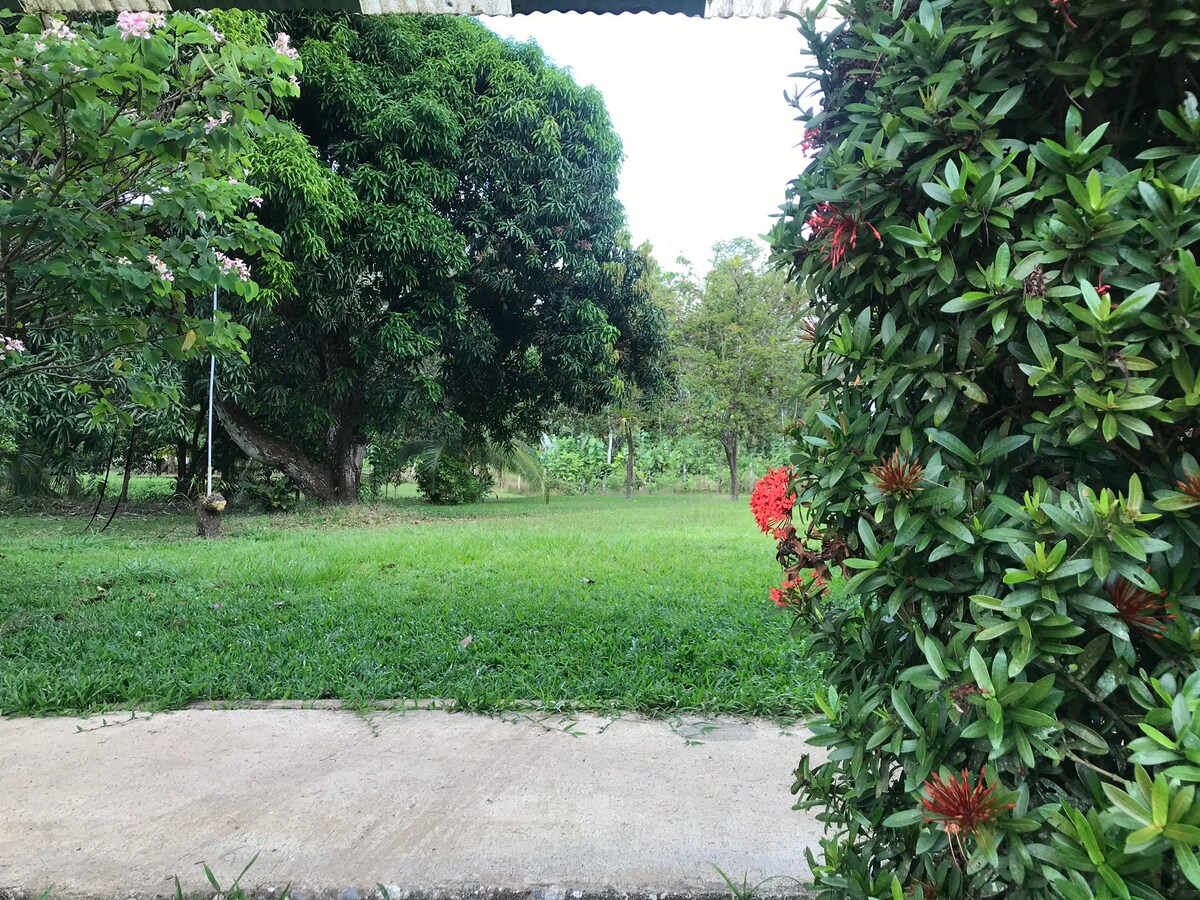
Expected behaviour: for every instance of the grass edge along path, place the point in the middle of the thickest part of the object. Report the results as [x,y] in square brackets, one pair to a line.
[656,606]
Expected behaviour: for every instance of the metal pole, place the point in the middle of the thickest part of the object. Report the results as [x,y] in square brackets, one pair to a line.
[212,380]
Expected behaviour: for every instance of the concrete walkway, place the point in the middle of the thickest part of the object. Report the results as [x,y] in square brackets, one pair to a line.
[423,801]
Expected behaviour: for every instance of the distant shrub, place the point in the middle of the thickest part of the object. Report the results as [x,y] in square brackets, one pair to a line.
[449,479]
[265,489]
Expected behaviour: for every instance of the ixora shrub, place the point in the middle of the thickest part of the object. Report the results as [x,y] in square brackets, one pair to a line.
[999,232]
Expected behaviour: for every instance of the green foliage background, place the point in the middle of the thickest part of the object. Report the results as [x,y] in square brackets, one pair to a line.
[1024,329]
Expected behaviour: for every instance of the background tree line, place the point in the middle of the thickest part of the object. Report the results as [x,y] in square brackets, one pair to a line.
[397,274]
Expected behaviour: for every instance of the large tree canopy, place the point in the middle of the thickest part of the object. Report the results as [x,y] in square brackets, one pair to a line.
[451,222]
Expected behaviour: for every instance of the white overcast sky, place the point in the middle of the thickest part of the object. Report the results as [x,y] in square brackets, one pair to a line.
[710,143]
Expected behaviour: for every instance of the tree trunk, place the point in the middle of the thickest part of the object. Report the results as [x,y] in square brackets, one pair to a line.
[628,461]
[608,464]
[208,516]
[124,496]
[181,478]
[335,481]
[189,454]
[346,452]
[133,436]
[729,441]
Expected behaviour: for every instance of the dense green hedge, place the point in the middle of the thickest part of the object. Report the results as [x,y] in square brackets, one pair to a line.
[999,231]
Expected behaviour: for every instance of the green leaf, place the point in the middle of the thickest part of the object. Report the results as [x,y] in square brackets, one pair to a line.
[1124,802]
[1113,880]
[979,670]
[1159,800]
[1006,102]
[951,443]
[1157,736]
[938,192]
[955,528]
[905,712]
[966,302]
[1037,343]
[995,631]
[905,818]
[934,658]
[1186,857]
[862,329]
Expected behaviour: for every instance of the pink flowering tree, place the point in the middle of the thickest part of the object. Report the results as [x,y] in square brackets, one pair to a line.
[124,198]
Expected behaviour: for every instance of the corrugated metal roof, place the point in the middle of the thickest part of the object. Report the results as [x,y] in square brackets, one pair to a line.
[709,9]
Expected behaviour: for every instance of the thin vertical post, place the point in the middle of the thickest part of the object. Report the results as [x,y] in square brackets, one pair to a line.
[212,380]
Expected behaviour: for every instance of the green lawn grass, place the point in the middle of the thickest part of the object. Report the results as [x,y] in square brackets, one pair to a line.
[655,605]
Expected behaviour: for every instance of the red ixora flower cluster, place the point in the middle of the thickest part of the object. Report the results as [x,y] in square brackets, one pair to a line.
[1138,608]
[840,227]
[771,502]
[795,588]
[785,594]
[1191,486]
[961,808]
[812,140]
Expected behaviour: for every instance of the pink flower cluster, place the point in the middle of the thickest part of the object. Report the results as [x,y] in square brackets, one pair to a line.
[161,268]
[138,24]
[58,29]
[215,121]
[231,264]
[283,46]
[256,202]
[217,36]
[11,345]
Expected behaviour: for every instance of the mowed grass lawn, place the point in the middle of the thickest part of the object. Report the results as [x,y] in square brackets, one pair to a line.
[657,605]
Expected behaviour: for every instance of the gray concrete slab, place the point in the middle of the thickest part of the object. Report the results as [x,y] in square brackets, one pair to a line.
[421,800]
